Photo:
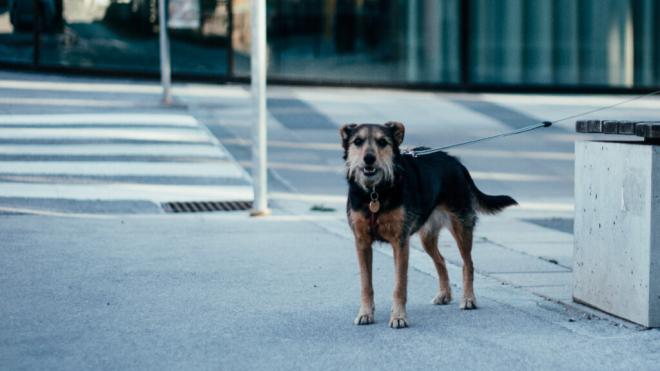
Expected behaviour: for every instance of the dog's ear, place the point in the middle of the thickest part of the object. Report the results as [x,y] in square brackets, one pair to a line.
[398,131]
[345,131]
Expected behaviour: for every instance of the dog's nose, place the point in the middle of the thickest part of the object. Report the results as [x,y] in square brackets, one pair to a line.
[369,159]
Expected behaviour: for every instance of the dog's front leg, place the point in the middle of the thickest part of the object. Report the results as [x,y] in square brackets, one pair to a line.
[365,257]
[398,316]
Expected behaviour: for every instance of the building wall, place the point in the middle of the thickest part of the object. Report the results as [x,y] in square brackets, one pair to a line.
[509,43]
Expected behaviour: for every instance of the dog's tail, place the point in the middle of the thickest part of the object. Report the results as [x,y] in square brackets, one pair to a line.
[488,204]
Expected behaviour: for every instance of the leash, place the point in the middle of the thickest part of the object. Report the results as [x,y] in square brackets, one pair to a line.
[544,124]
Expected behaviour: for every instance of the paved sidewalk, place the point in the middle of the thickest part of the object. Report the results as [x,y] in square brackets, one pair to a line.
[506,249]
[210,292]
[86,285]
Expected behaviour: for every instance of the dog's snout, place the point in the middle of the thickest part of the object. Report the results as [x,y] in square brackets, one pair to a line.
[369,159]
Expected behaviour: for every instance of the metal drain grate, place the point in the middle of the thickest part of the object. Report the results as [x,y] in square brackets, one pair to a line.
[206,206]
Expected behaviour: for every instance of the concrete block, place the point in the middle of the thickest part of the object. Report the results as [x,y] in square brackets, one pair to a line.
[581,126]
[594,126]
[617,229]
[648,130]
[626,128]
[610,127]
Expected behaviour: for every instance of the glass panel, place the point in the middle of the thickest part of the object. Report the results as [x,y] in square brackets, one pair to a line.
[104,34]
[240,37]
[201,47]
[16,36]
[383,41]
[565,42]
[646,31]
[123,35]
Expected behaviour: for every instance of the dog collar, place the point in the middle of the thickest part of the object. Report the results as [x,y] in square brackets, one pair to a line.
[374,204]
[374,207]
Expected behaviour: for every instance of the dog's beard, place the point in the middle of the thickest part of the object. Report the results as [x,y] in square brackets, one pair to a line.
[385,173]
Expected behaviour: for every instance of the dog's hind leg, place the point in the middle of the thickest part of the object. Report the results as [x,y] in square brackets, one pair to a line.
[429,237]
[462,233]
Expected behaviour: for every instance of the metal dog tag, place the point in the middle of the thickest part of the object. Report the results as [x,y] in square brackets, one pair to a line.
[374,206]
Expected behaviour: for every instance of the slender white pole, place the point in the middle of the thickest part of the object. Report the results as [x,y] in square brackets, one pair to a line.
[258,81]
[165,78]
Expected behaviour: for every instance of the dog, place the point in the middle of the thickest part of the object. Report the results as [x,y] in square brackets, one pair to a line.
[392,195]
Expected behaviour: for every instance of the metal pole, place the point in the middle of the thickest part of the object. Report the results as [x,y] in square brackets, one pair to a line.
[412,41]
[36,35]
[230,37]
[165,72]
[465,40]
[258,81]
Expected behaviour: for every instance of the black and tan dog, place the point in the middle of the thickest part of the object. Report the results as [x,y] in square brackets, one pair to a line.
[391,196]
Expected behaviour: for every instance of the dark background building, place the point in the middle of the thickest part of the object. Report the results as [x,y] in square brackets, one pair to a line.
[452,44]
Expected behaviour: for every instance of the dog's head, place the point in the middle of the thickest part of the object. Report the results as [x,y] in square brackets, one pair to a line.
[370,152]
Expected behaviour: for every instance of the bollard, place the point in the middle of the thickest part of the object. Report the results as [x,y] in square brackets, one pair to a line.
[258,82]
[165,73]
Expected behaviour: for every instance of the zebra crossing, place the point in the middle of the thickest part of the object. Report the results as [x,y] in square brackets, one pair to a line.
[113,157]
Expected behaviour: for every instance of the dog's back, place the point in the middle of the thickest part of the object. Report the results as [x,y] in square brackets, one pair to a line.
[440,180]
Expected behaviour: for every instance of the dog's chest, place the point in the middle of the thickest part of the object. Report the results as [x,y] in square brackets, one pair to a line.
[385,226]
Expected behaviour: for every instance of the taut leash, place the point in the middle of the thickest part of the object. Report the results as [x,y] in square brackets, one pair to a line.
[544,124]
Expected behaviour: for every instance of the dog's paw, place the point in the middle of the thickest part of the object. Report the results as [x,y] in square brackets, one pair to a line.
[468,303]
[364,319]
[442,298]
[398,322]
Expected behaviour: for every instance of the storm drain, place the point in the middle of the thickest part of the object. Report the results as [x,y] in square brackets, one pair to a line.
[206,206]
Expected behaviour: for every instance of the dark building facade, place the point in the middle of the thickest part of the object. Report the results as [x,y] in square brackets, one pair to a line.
[452,44]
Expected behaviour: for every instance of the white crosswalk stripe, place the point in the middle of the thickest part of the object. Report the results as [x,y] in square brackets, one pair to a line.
[127,119]
[155,150]
[219,169]
[163,135]
[168,157]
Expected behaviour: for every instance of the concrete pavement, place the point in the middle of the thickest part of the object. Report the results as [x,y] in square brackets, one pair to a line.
[110,290]
[233,293]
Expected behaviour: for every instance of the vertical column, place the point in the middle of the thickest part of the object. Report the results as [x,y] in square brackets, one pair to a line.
[412,39]
[618,45]
[565,40]
[230,39]
[165,77]
[476,44]
[538,43]
[258,81]
[510,54]
[434,58]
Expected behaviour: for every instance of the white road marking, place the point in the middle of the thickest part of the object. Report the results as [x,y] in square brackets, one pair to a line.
[195,90]
[223,169]
[181,128]
[164,135]
[70,102]
[101,119]
[107,192]
[156,150]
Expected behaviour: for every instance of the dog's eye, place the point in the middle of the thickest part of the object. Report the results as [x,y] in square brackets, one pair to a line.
[381,142]
[358,141]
